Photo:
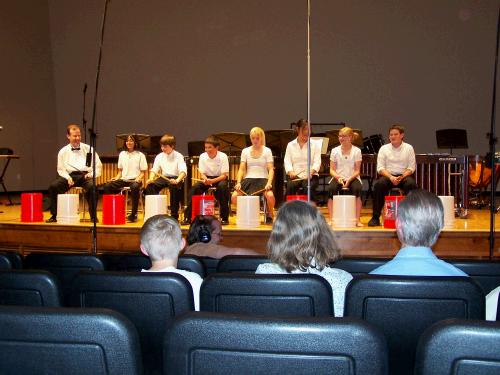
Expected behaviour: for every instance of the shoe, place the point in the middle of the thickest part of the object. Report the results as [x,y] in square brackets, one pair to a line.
[132,218]
[269,220]
[374,222]
[52,219]
[92,220]
[186,222]
[224,222]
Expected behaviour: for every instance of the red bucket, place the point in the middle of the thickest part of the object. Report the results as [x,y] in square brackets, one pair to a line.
[391,210]
[296,198]
[113,209]
[202,205]
[31,207]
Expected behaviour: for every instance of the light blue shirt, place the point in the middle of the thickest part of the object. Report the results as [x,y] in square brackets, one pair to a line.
[417,261]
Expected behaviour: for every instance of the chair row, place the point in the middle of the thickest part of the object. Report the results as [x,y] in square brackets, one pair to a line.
[152,300]
[100,341]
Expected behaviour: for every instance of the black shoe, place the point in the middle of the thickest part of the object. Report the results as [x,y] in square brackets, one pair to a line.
[224,222]
[132,218]
[269,220]
[52,219]
[92,220]
[374,222]
[186,222]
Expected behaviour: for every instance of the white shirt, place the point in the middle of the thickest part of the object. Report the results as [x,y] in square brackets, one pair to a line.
[345,163]
[72,161]
[396,160]
[257,167]
[131,164]
[170,165]
[194,279]
[213,167]
[491,304]
[296,158]
[337,278]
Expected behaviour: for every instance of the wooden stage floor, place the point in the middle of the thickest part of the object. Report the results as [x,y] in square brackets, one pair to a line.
[468,239]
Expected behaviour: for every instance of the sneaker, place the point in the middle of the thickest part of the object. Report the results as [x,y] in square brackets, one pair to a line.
[374,222]
[132,218]
[52,219]
[224,222]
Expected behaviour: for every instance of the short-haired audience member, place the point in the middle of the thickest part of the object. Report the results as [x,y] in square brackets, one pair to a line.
[395,165]
[296,162]
[203,239]
[169,170]
[419,221]
[256,172]
[345,166]
[161,241]
[213,166]
[302,242]
[73,171]
[131,167]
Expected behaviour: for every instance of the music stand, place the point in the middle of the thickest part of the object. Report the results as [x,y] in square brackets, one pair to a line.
[451,138]
[273,141]
[229,143]
[286,136]
[143,141]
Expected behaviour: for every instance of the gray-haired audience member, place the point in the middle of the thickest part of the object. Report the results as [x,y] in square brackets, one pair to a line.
[161,240]
[204,236]
[419,221]
[302,242]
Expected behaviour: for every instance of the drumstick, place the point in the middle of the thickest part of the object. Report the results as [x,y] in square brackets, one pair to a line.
[197,179]
[258,191]
[300,179]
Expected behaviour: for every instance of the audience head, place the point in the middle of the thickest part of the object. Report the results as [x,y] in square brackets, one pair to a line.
[301,238]
[257,136]
[420,218]
[204,229]
[161,238]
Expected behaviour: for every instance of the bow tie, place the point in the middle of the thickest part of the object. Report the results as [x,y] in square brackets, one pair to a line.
[75,148]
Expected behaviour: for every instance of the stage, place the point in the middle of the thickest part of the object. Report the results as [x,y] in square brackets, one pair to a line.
[468,239]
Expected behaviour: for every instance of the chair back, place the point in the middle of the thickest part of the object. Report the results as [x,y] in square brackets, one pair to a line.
[29,288]
[210,264]
[486,273]
[5,263]
[274,295]
[456,346]
[209,343]
[16,259]
[358,266]
[403,307]
[241,263]
[43,340]
[150,300]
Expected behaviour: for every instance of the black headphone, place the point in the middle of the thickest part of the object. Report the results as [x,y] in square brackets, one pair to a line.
[204,233]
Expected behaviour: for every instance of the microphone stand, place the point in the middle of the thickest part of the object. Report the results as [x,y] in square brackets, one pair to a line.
[93,133]
[492,142]
[84,120]
[308,52]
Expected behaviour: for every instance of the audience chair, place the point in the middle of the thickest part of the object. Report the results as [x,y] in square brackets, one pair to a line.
[64,266]
[16,259]
[138,262]
[456,346]
[240,263]
[485,273]
[208,343]
[150,300]
[5,263]
[274,295]
[403,307]
[29,288]
[44,340]
[210,264]
[358,266]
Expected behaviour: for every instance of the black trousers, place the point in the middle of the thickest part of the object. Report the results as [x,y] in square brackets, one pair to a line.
[60,186]
[294,187]
[113,187]
[382,187]
[221,194]
[334,188]
[156,186]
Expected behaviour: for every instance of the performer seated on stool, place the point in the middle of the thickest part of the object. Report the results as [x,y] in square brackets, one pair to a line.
[395,165]
[169,170]
[131,167]
[213,166]
[296,162]
[256,172]
[73,171]
[345,164]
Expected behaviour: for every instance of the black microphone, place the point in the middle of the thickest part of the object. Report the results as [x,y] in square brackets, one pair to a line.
[85,88]
[88,159]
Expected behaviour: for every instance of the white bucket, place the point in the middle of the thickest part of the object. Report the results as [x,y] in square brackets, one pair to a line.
[344,211]
[67,209]
[247,212]
[449,211]
[155,205]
